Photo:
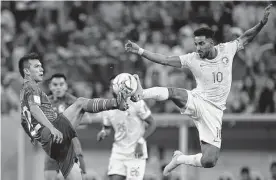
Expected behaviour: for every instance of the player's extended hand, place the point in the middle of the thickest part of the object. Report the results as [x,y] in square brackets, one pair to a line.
[131,47]
[101,135]
[138,150]
[122,101]
[57,135]
[266,14]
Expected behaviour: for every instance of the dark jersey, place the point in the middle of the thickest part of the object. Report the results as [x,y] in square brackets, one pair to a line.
[60,104]
[32,94]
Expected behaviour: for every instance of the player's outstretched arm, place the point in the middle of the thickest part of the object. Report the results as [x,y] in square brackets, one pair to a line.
[151,126]
[38,114]
[154,57]
[250,34]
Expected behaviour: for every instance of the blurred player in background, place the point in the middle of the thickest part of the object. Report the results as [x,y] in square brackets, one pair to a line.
[60,100]
[55,132]
[129,152]
[212,67]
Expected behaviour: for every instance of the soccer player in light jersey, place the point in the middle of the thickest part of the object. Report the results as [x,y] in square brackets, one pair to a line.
[129,151]
[55,132]
[61,100]
[211,66]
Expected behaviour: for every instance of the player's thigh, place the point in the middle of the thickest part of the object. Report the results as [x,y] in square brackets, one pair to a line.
[136,169]
[179,96]
[210,153]
[75,173]
[116,167]
[116,177]
[75,112]
[50,164]
[50,174]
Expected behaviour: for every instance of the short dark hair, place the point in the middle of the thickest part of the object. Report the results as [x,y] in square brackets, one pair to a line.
[273,164]
[245,170]
[58,75]
[23,61]
[204,31]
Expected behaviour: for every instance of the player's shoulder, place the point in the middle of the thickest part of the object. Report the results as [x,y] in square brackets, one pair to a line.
[225,45]
[70,97]
[30,86]
[51,97]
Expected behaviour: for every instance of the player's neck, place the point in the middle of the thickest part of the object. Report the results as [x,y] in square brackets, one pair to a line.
[28,78]
[212,54]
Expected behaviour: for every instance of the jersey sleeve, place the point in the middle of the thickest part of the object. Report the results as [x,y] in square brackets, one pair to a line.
[143,112]
[33,95]
[107,117]
[186,60]
[234,46]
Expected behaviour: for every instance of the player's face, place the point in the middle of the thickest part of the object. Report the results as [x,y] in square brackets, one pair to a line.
[203,46]
[58,87]
[35,70]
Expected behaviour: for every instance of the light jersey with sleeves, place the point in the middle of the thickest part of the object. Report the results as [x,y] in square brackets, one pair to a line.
[129,127]
[213,77]
[60,104]
[32,94]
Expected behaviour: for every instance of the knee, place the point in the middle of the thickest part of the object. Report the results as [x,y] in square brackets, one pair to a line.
[178,93]
[80,102]
[209,162]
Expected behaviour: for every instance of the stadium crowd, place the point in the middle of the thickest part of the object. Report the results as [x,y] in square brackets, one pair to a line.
[85,41]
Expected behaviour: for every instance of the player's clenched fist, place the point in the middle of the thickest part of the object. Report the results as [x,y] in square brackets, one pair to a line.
[266,14]
[57,135]
[101,135]
[131,47]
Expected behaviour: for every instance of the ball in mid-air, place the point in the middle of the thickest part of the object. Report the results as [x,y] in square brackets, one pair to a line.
[124,82]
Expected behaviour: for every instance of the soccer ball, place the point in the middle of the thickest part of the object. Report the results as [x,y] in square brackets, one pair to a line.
[124,82]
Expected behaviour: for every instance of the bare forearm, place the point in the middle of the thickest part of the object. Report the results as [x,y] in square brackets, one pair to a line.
[155,57]
[40,117]
[250,34]
[151,128]
[107,130]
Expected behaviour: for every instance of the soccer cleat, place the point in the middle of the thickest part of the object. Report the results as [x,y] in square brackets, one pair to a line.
[173,164]
[122,101]
[137,96]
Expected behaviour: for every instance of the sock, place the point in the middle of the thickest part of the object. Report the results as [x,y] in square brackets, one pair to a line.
[192,160]
[156,93]
[99,104]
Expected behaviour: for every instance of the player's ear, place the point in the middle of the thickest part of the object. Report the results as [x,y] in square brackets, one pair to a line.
[26,71]
[211,41]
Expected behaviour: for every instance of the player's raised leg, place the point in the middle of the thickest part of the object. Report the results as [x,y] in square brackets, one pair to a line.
[75,112]
[177,95]
[207,159]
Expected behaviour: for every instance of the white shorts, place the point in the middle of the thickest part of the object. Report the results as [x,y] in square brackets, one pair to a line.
[132,169]
[207,118]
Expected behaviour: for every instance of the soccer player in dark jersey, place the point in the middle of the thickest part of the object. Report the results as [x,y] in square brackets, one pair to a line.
[60,100]
[56,131]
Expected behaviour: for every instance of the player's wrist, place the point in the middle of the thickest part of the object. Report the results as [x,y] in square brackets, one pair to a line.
[262,23]
[141,51]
